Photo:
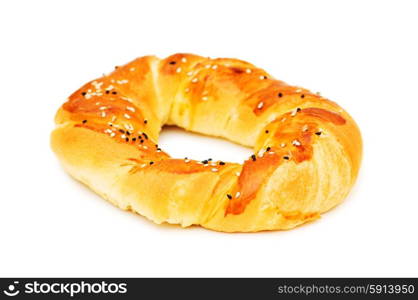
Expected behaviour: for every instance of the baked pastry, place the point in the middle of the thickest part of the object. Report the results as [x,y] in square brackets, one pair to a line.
[307,149]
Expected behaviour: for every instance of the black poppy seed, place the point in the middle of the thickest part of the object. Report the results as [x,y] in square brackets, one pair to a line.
[298,109]
[267,131]
[107,92]
[253,157]
[221,163]
[141,141]
[127,139]
[302,96]
[204,162]
[133,139]
[318,133]
[145,135]
[209,159]
[156,145]
[286,157]
[268,148]
[128,133]
[121,131]
[229,196]
[114,92]
[145,121]
[172,62]
[280,95]
[111,125]
[159,149]
[84,121]
[83,93]
[116,67]
[151,162]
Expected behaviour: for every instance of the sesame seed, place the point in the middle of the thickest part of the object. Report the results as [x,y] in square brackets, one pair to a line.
[294,112]
[123,136]
[102,107]
[194,80]
[214,170]
[282,145]
[110,87]
[103,114]
[112,134]
[298,90]
[215,67]
[261,153]
[260,105]
[130,108]
[296,143]
[237,195]
[187,90]
[127,116]
[204,98]
[127,99]
[145,147]
[189,73]
[229,196]
[178,70]
[183,60]
[122,81]
[262,77]
[132,69]
[207,66]
[238,174]
[248,71]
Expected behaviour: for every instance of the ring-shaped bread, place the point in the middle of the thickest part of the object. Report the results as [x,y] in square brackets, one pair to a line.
[307,149]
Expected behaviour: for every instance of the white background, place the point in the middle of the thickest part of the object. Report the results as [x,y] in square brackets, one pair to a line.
[362,55]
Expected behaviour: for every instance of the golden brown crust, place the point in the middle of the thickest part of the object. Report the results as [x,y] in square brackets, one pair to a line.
[307,149]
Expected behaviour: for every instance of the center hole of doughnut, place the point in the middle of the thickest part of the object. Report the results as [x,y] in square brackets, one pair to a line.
[180,143]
